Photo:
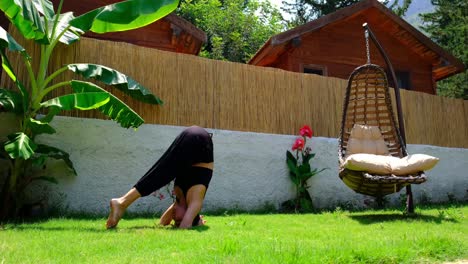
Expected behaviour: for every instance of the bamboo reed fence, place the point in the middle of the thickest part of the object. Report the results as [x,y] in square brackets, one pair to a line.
[233,96]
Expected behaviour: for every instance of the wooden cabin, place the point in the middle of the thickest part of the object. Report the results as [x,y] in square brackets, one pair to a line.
[334,45]
[171,33]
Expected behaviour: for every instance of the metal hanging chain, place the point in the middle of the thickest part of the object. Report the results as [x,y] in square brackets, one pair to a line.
[366,35]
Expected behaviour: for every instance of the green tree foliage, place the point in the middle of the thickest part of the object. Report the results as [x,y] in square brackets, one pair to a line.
[236,29]
[300,12]
[303,11]
[397,8]
[448,26]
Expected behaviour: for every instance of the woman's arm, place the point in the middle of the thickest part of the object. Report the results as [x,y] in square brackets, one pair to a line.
[167,217]
[195,196]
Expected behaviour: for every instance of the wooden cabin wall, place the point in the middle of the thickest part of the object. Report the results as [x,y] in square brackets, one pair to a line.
[160,34]
[340,48]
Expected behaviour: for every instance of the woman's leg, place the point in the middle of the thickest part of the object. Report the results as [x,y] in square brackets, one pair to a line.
[167,216]
[159,175]
[198,180]
[166,168]
[176,157]
[119,205]
[194,143]
[194,199]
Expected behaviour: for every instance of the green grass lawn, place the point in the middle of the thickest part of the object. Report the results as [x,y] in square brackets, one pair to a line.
[434,235]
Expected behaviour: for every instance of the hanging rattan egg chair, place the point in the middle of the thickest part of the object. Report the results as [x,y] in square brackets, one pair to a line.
[367,102]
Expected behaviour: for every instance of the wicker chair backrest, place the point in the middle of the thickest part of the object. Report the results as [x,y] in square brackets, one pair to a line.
[368,102]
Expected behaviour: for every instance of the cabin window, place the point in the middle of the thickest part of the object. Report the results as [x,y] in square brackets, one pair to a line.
[403,79]
[314,69]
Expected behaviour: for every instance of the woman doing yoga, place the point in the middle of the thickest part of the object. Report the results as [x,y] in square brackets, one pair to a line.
[188,161]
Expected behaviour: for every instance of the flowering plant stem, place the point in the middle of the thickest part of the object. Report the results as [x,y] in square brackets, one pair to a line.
[300,170]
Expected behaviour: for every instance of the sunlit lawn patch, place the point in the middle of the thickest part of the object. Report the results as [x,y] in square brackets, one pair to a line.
[433,235]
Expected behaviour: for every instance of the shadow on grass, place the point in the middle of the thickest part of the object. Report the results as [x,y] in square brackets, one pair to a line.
[29,227]
[168,228]
[368,219]
[57,228]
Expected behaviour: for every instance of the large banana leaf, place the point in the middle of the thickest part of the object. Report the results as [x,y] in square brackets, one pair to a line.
[6,65]
[55,153]
[7,41]
[10,101]
[117,79]
[26,16]
[71,34]
[124,15]
[115,109]
[81,101]
[52,111]
[20,145]
[45,7]
[38,127]
[9,70]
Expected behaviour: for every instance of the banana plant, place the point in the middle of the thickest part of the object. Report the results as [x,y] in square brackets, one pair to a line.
[38,21]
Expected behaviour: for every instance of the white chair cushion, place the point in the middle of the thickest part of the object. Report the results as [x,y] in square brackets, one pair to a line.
[414,163]
[384,165]
[366,139]
[371,163]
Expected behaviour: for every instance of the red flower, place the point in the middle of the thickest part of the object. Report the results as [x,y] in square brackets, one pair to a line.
[306,131]
[299,144]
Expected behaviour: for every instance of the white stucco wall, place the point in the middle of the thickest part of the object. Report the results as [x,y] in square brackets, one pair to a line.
[250,169]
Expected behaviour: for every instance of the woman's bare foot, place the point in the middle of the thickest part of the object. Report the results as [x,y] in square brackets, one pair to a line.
[116,212]
[201,221]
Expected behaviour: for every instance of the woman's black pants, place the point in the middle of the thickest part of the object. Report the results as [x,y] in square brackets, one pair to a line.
[191,146]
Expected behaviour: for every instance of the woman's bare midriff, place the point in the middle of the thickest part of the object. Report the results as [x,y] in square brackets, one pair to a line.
[204,165]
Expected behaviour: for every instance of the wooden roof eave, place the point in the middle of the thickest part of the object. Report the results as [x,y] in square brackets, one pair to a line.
[450,63]
[444,72]
[281,40]
[321,22]
[187,27]
[264,57]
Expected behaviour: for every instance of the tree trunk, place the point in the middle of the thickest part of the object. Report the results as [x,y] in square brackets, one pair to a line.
[9,201]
